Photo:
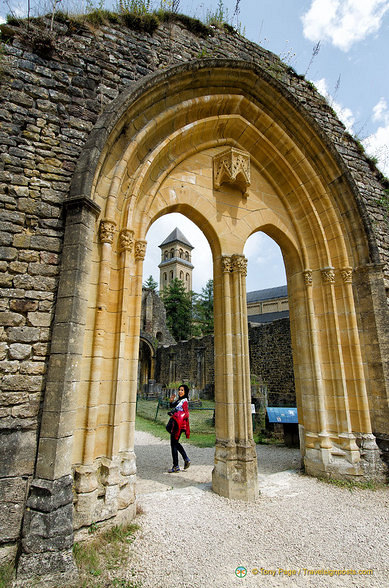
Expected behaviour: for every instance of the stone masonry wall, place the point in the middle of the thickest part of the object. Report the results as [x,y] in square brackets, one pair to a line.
[184,355]
[270,360]
[48,106]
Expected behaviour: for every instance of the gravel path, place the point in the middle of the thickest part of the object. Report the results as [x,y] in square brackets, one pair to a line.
[192,538]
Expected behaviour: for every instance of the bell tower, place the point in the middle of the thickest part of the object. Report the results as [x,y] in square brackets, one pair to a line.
[176,253]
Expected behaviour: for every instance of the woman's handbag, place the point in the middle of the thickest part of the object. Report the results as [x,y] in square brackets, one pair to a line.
[169,426]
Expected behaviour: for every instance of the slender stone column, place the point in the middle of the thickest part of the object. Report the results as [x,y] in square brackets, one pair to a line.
[48,523]
[235,474]
[316,444]
[106,235]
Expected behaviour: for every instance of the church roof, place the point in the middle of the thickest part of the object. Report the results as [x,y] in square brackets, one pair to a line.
[176,235]
[267,293]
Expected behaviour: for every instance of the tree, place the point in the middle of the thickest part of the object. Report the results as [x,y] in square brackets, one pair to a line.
[150,284]
[203,310]
[178,305]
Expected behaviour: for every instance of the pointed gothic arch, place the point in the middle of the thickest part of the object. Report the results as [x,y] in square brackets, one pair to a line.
[225,144]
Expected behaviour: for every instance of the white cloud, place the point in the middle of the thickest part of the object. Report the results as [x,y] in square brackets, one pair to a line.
[345,114]
[343,22]
[377,144]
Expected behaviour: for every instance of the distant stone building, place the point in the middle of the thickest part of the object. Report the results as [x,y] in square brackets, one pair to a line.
[265,306]
[176,260]
[153,332]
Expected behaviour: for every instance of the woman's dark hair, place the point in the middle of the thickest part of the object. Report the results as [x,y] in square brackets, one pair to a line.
[186,388]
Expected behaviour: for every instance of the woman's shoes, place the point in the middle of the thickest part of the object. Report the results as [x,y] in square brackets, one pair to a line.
[174,469]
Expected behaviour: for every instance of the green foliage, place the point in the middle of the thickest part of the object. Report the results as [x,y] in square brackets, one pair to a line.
[99,17]
[352,484]
[139,7]
[150,284]
[13,20]
[170,5]
[105,555]
[145,23]
[193,25]
[219,16]
[7,572]
[178,305]
[203,310]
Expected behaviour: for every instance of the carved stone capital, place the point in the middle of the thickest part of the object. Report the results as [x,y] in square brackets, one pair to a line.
[239,264]
[126,240]
[328,275]
[107,230]
[226,264]
[232,166]
[307,277]
[140,250]
[347,275]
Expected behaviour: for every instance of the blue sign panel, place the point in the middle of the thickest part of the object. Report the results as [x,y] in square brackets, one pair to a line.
[278,414]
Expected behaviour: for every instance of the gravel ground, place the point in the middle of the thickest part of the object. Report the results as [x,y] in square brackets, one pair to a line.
[191,537]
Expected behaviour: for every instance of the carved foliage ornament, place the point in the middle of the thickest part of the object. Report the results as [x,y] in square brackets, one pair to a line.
[126,240]
[106,231]
[239,264]
[307,277]
[347,275]
[232,166]
[236,263]
[226,264]
[140,250]
[328,275]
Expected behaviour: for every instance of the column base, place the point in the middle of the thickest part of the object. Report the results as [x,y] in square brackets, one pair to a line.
[351,457]
[235,474]
[104,489]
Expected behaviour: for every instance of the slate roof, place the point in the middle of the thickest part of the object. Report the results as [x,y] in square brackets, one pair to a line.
[176,235]
[267,317]
[267,294]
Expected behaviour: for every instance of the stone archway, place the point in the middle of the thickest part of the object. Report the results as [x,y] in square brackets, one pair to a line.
[223,143]
[146,361]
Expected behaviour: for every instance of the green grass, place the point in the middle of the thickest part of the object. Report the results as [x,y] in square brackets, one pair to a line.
[352,484]
[6,574]
[202,430]
[103,560]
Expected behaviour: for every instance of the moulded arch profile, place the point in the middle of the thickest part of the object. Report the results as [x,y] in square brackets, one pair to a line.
[240,105]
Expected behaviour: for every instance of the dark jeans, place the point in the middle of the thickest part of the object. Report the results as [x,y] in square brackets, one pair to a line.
[177,448]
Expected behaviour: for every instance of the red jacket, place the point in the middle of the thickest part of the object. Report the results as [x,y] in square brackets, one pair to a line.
[181,418]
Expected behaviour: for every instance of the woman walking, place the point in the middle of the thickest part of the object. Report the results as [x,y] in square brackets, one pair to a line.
[180,423]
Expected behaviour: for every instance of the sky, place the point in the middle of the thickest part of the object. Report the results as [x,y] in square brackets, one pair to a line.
[342,46]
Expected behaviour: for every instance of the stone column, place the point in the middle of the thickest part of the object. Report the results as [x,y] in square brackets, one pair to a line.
[235,474]
[48,524]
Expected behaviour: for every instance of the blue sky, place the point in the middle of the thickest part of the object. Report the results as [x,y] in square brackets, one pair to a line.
[351,68]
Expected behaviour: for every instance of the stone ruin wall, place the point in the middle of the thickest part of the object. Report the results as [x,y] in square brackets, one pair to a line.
[153,318]
[270,361]
[48,106]
[184,355]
